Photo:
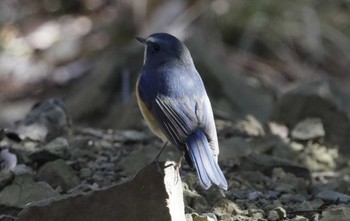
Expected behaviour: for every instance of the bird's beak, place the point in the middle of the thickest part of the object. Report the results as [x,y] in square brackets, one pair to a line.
[142,40]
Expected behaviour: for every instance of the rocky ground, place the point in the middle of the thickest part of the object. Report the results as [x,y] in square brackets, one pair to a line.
[296,169]
[284,149]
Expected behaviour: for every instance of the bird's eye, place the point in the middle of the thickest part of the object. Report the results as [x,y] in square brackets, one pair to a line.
[156,47]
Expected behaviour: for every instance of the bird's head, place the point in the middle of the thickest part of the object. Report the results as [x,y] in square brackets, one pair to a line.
[162,48]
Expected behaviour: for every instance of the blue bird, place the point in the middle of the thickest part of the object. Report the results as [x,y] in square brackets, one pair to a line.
[173,100]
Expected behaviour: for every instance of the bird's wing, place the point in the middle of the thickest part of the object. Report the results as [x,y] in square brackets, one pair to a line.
[177,117]
[205,115]
[180,117]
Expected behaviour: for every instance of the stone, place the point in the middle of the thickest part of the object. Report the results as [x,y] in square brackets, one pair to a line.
[86,173]
[199,203]
[211,216]
[45,121]
[299,218]
[333,196]
[282,214]
[318,157]
[6,178]
[250,127]
[193,199]
[278,129]
[212,195]
[271,195]
[188,217]
[289,183]
[226,206]
[57,148]
[288,197]
[196,217]
[320,99]
[273,215]
[307,129]
[22,169]
[256,213]
[336,212]
[266,164]
[8,160]
[254,195]
[58,174]
[239,193]
[232,149]
[155,193]
[24,190]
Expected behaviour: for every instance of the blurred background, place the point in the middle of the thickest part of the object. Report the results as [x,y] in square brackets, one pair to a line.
[248,53]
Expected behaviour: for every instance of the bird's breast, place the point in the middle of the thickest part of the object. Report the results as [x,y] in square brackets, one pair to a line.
[146,113]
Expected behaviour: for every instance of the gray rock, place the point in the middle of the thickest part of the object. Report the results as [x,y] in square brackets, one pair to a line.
[336,212]
[8,160]
[261,162]
[254,195]
[299,218]
[57,148]
[317,100]
[282,214]
[6,178]
[188,217]
[271,195]
[307,129]
[233,148]
[273,215]
[196,217]
[193,199]
[152,194]
[278,129]
[210,215]
[199,203]
[319,157]
[267,164]
[226,206]
[25,190]
[239,193]
[333,196]
[279,147]
[86,173]
[45,121]
[22,169]
[250,126]
[256,213]
[58,174]
[288,197]
[288,182]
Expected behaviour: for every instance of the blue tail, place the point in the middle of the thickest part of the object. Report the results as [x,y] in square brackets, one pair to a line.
[208,169]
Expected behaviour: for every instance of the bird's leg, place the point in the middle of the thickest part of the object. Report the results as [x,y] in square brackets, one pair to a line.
[161,150]
[177,168]
[178,164]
